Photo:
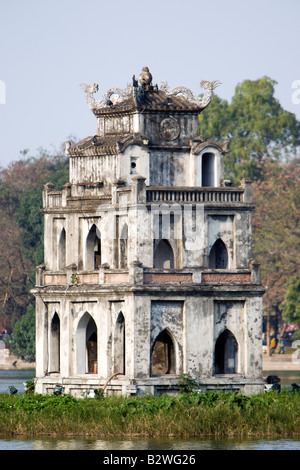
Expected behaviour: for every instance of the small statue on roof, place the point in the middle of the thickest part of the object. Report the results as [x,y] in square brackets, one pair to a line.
[145,78]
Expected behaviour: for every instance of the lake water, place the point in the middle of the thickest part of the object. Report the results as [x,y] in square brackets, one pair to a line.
[148,444]
[17,378]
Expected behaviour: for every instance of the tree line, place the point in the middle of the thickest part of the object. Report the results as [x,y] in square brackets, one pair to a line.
[21,241]
[264,141]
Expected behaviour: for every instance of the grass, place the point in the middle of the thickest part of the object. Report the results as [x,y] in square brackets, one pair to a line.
[217,414]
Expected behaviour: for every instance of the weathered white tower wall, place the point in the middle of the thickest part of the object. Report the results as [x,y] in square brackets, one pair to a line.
[148,270]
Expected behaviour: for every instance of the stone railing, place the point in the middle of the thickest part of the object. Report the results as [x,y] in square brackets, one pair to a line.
[138,192]
[70,195]
[216,195]
[51,198]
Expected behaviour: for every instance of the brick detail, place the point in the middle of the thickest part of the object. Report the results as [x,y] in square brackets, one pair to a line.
[225,278]
[116,278]
[150,278]
[88,278]
[55,279]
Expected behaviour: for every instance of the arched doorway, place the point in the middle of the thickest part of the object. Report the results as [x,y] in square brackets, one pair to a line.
[93,249]
[54,349]
[87,345]
[226,351]
[218,257]
[163,255]
[163,355]
[119,345]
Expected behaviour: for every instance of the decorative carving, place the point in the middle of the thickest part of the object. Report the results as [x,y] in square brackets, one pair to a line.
[169,129]
[145,78]
[90,89]
[117,95]
[112,96]
[188,94]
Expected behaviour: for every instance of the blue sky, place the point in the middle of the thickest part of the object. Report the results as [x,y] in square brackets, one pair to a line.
[47,48]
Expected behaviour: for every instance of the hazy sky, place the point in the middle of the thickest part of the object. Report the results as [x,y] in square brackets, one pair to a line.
[49,47]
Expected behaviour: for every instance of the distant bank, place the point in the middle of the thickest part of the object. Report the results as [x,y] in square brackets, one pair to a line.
[281,362]
[11,362]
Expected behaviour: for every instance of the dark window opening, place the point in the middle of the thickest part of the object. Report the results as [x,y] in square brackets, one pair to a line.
[93,249]
[163,357]
[55,344]
[86,345]
[91,347]
[218,257]
[208,172]
[164,256]
[226,354]
[62,250]
[119,345]
[124,247]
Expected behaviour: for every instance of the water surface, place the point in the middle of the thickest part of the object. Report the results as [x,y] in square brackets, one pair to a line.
[177,445]
[15,378]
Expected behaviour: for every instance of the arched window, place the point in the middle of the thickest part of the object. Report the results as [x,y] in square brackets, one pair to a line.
[218,257]
[164,256]
[86,345]
[62,250]
[226,350]
[208,170]
[119,345]
[54,349]
[93,249]
[162,356]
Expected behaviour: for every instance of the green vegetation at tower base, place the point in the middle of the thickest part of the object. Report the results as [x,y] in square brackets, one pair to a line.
[217,414]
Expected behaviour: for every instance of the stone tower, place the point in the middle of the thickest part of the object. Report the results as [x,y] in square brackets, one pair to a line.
[148,268]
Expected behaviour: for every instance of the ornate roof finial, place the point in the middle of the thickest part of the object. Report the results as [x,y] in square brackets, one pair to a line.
[145,78]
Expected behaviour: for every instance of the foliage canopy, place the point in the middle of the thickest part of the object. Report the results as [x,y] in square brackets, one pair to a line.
[291,305]
[256,126]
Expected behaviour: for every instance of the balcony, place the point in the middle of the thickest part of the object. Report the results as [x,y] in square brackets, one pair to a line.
[185,195]
[93,193]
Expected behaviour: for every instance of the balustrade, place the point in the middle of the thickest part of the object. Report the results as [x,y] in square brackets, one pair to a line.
[214,195]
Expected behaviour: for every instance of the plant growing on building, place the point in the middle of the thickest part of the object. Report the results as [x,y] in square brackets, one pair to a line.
[187,384]
[75,278]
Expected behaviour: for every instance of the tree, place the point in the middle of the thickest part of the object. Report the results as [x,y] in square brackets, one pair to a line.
[23,340]
[291,306]
[276,228]
[21,226]
[256,126]
[14,272]
[29,214]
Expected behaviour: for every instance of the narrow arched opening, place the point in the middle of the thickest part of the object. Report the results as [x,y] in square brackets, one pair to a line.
[119,345]
[208,170]
[62,250]
[218,257]
[54,349]
[123,247]
[87,345]
[226,352]
[93,248]
[163,255]
[163,355]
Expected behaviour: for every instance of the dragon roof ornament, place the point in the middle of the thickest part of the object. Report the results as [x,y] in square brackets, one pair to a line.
[202,101]
[114,96]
